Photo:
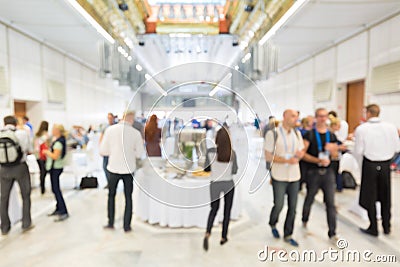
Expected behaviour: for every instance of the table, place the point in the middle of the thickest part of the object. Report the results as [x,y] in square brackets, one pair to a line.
[176,202]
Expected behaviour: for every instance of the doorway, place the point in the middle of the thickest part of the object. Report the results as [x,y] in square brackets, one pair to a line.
[33,110]
[19,109]
[355,104]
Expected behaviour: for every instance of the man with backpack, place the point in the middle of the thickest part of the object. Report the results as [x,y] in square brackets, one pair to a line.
[284,147]
[14,145]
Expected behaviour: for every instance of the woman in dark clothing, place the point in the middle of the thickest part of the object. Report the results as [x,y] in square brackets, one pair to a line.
[41,144]
[152,136]
[55,166]
[222,171]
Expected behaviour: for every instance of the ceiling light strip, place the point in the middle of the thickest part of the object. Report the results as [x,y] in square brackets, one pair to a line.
[155,84]
[91,20]
[218,86]
[292,10]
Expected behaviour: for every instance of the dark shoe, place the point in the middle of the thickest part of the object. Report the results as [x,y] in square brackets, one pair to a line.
[386,231]
[369,232]
[54,213]
[5,232]
[223,241]
[275,232]
[205,243]
[109,227]
[128,229]
[26,229]
[291,241]
[62,217]
[106,187]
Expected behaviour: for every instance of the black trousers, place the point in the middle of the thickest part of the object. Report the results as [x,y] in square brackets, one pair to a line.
[106,172]
[8,175]
[61,208]
[112,190]
[216,188]
[325,179]
[303,174]
[376,186]
[43,172]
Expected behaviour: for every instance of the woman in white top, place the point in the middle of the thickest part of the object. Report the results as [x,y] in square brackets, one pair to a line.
[222,169]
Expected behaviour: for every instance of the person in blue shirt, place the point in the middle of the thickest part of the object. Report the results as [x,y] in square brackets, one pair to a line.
[195,123]
[26,122]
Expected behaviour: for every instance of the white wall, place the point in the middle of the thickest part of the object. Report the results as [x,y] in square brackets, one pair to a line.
[25,67]
[352,59]
[30,64]
[385,48]
[349,61]
[4,99]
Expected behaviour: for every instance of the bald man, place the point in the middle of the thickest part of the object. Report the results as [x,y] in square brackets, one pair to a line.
[284,150]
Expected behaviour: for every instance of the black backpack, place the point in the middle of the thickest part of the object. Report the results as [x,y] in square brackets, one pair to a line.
[10,150]
[348,180]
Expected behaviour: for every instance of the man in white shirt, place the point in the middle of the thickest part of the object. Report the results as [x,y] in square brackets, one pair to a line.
[123,144]
[288,145]
[19,172]
[376,142]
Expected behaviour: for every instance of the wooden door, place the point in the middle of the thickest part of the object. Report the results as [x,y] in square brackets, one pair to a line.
[19,109]
[355,104]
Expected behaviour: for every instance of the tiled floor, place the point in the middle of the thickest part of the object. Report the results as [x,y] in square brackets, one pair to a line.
[81,240]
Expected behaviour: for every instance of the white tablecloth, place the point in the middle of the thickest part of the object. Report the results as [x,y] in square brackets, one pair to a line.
[177,202]
[349,163]
[168,147]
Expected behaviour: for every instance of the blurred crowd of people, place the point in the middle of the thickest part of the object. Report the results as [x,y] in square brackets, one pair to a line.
[308,151]
[297,151]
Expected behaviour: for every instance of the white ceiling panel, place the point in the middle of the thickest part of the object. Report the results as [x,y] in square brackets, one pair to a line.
[321,23]
[160,53]
[55,22]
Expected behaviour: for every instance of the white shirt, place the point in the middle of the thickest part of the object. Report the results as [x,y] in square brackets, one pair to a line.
[123,144]
[23,140]
[294,142]
[220,171]
[343,131]
[376,140]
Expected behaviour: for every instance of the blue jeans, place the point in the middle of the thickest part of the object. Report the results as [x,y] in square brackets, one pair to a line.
[339,180]
[280,189]
[61,208]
